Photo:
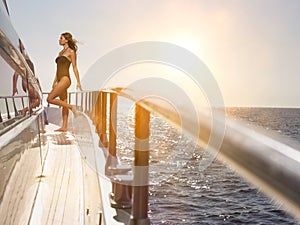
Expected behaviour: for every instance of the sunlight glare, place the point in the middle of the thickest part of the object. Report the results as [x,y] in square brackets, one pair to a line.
[189,43]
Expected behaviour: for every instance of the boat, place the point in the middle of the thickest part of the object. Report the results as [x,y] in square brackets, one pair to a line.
[76,177]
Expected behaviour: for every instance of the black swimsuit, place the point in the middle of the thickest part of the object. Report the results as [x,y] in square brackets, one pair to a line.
[63,65]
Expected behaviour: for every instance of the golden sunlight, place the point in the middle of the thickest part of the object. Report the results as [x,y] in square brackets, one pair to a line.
[191,44]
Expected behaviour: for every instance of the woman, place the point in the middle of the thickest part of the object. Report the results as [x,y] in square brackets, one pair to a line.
[62,80]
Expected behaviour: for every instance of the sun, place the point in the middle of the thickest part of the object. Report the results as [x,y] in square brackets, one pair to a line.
[191,44]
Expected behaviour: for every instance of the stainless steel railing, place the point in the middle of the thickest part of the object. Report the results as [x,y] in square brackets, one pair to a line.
[6,100]
[268,163]
[101,107]
[11,111]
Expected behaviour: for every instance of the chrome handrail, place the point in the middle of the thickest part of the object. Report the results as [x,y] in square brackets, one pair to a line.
[264,160]
[16,111]
[14,116]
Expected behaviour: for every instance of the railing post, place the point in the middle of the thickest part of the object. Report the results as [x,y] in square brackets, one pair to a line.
[81,102]
[70,98]
[97,113]
[87,107]
[111,160]
[76,99]
[86,104]
[7,109]
[113,124]
[29,102]
[103,137]
[139,213]
[93,102]
[22,102]
[41,124]
[15,108]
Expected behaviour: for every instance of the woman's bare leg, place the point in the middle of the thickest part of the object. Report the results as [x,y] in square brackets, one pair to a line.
[65,116]
[60,88]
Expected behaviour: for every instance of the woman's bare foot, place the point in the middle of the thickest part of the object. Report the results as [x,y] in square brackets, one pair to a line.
[74,110]
[61,130]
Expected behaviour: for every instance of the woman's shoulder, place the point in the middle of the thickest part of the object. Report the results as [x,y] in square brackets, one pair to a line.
[71,51]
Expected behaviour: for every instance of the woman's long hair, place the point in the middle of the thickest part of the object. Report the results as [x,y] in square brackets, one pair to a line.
[71,42]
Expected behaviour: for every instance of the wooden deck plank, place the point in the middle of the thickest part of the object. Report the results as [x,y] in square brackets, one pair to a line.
[55,182]
[47,195]
[92,192]
[74,189]
[66,191]
[62,190]
[59,197]
[20,190]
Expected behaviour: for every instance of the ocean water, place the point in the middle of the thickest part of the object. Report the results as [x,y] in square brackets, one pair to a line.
[180,193]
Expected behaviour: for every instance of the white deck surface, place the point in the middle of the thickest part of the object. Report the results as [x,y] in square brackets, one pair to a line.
[68,192]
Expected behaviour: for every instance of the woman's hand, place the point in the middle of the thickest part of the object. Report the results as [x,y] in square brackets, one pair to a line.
[54,84]
[78,86]
[15,90]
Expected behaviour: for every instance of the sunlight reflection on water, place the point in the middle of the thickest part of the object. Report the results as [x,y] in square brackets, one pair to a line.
[181,194]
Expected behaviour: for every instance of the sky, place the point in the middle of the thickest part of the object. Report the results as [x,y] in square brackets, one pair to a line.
[251,47]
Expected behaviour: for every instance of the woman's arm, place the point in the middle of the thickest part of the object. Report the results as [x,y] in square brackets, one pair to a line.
[54,82]
[75,69]
[15,79]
